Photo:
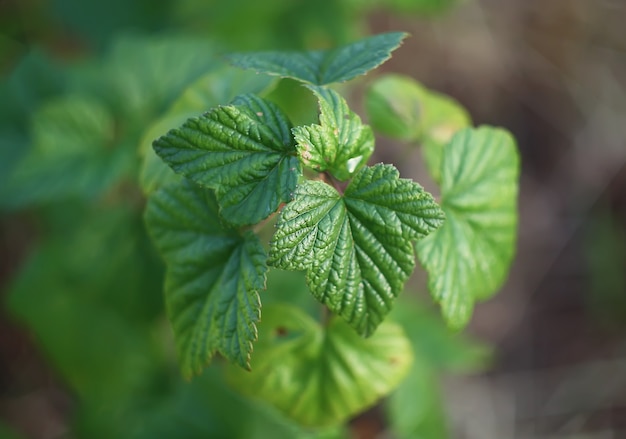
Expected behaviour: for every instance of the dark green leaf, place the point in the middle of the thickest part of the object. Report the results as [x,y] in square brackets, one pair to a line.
[215,88]
[357,248]
[340,144]
[469,257]
[324,66]
[213,276]
[244,151]
[75,154]
[147,74]
[322,376]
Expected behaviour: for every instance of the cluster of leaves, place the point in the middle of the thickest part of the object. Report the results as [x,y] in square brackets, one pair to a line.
[349,227]
[346,231]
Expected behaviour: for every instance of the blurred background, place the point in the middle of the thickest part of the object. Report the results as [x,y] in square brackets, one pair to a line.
[82,326]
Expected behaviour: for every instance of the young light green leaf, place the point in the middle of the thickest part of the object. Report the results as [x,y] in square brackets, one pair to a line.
[400,107]
[469,257]
[324,66]
[341,144]
[356,249]
[244,151]
[322,376]
[213,276]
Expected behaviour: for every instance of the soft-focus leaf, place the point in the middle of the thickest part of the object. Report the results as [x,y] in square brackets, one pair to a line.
[100,354]
[35,78]
[438,346]
[244,151]
[8,433]
[357,248]
[219,87]
[75,154]
[400,107]
[605,254]
[422,7]
[93,23]
[146,74]
[340,144]
[469,257]
[154,172]
[324,66]
[415,409]
[322,376]
[213,276]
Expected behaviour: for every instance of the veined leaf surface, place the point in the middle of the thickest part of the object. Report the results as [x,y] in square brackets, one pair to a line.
[357,248]
[213,276]
[244,151]
[322,67]
[469,257]
[340,144]
[322,376]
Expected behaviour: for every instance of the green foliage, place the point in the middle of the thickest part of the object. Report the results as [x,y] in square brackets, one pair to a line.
[356,249]
[469,257]
[229,187]
[72,153]
[321,376]
[323,67]
[354,241]
[605,239]
[422,7]
[213,278]
[415,409]
[401,108]
[341,144]
[244,151]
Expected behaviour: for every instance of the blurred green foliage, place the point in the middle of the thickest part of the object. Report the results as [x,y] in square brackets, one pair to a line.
[87,86]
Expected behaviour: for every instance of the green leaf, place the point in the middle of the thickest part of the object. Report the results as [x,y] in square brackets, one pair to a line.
[322,67]
[340,144]
[8,433]
[438,346]
[244,151]
[75,154]
[147,74]
[422,7]
[401,108]
[469,257]
[154,172]
[219,87]
[415,410]
[213,276]
[215,88]
[356,249]
[100,354]
[322,376]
